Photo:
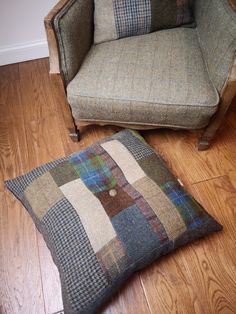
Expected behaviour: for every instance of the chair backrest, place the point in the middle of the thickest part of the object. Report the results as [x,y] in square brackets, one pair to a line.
[216,25]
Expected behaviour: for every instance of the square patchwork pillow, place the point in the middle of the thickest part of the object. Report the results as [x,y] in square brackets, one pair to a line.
[107,212]
[114,19]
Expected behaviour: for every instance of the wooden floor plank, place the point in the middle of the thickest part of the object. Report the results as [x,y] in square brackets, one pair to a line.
[130,299]
[37,97]
[10,101]
[21,286]
[50,279]
[29,69]
[9,73]
[12,163]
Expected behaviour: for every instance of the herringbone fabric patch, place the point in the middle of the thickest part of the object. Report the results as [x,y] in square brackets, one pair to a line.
[74,251]
[136,147]
[105,214]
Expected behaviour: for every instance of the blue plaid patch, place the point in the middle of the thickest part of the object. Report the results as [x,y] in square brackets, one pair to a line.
[93,171]
[190,210]
[132,17]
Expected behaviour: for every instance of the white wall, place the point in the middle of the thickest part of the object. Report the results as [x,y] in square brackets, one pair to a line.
[22,35]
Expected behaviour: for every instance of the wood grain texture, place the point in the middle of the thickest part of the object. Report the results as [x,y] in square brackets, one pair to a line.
[50,279]
[131,291]
[21,285]
[198,278]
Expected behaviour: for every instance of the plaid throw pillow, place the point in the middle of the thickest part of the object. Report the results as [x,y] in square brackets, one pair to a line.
[106,212]
[116,19]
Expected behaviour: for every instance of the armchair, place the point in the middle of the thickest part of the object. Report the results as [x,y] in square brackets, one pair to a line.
[179,78]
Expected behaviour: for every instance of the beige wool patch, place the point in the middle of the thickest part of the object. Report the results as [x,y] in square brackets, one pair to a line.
[162,206]
[42,194]
[125,160]
[91,212]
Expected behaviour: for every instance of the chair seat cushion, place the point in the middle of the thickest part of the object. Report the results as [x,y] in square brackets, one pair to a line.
[157,79]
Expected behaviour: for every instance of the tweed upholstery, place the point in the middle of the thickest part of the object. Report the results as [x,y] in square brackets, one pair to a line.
[74,30]
[116,19]
[155,79]
[216,26]
[106,212]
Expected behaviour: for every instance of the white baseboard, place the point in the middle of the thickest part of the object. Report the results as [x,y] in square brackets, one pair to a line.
[23,52]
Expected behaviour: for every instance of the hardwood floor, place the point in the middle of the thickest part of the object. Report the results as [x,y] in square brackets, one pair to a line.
[198,278]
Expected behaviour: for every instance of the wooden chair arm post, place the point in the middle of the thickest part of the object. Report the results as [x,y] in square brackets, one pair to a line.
[54,52]
[226,96]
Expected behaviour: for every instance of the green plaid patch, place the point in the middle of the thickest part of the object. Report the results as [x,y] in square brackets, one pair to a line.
[93,171]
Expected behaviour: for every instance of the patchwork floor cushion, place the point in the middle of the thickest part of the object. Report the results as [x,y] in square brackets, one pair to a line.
[107,212]
[114,19]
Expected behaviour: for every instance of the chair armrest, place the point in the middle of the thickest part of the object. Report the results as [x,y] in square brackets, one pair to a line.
[69,28]
[216,27]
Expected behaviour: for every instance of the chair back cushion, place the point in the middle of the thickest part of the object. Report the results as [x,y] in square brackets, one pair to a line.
[116,19]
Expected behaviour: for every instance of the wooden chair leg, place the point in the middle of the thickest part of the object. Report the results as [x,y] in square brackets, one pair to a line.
[203,143]
[74,134]
[226,98]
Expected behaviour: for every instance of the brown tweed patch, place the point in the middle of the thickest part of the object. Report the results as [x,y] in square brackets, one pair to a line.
[64,173]
[42,194]
[155,169]
[114,200]
[164,209]
[161,8]
[112,258]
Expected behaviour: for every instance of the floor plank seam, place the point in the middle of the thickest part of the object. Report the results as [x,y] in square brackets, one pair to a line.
[145,294]
[40,270]
[210,179]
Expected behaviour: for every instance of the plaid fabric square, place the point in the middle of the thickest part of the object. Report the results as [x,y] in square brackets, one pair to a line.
[113,259]
[132,17]
[74,252]
[190,210]
[93,171]
[137,148]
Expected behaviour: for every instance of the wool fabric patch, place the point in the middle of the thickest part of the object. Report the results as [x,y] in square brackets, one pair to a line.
[116,19]
[107,212]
